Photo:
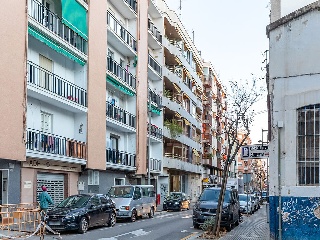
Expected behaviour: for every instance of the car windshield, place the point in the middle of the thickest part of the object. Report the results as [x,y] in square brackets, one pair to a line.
[243,197]
[213,195]
[264,194]
[121,192]
[174,196]
[74,201]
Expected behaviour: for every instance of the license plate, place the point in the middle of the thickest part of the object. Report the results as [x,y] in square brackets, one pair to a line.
[54,223]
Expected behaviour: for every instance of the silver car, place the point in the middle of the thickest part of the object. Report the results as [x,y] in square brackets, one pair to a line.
[246,203]
[133,201]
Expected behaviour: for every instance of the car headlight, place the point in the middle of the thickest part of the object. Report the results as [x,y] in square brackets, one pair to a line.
[70,217]
[176,203]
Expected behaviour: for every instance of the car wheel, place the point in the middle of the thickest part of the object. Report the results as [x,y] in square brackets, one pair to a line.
[151,213]
[112,220]
[133,216]
[83,225]
[237,222]
[229,226]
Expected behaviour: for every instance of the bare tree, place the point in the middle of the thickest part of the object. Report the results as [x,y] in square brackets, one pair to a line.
[238,119]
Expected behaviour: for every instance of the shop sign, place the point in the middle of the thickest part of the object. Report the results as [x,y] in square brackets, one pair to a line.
[51,165]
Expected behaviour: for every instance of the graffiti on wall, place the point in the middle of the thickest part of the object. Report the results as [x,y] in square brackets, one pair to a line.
[163,190]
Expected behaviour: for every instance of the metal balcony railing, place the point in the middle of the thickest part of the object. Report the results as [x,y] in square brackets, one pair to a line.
[120,115]
[155,164]
[121,72]
[120,30]
[54,144]
[133,4]
[51,21]
[51,82]
[153,29]
[120,157]
[155,97]
[155,131]
[154,65]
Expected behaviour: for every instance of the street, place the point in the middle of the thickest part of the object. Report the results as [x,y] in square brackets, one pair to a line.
[164,225]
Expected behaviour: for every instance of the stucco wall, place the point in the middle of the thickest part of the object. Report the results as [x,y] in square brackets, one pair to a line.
[97,47]
[13,28]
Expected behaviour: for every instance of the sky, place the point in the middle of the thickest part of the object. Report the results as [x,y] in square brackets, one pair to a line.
[231,34]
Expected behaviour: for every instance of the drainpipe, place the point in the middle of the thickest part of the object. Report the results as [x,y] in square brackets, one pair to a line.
[280,125]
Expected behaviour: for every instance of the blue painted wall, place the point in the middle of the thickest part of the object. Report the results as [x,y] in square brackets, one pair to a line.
[300,218]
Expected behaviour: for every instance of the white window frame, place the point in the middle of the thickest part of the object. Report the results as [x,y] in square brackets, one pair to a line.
[46,118]
[93,177]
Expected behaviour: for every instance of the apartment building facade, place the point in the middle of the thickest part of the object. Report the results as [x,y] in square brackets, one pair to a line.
[294,108]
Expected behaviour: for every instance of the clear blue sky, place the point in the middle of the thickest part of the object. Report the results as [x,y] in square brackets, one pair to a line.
[231,34]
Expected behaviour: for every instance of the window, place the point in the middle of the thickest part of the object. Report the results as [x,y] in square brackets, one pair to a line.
[119,181]
[308,145]
[46,122]
[93,177]
[110,53]
[114,142]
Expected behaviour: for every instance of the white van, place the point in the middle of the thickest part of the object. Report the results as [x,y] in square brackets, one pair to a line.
[133,201]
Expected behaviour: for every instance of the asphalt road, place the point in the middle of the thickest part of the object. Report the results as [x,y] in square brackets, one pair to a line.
[164,225]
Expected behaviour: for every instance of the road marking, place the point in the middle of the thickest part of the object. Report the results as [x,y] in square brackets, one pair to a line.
[137,233]
[189,236]
[188,216]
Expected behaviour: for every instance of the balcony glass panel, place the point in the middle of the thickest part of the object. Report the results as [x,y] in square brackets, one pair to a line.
[121,72]
[154,65]
[52,22]
[155,97]
[121,115]
[119,30]
[155,164]
[120,157]
[50,143]
[155,131]
[49,81]
[133,4]
[153,29]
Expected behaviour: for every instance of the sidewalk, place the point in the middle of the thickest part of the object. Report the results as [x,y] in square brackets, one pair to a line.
[253,227]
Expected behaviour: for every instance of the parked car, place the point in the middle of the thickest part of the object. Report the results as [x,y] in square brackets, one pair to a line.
[207,204]
[176,201]
[133,201]
[82,211]
[246,203]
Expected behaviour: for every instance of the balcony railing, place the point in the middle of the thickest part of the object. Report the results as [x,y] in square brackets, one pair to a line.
[116,26]
[155,97]
[120,115]
[155,131]
[155,164]
[52,22]
[153,29]
[121,72]
[49,81]
[133,4]
[50,143]
[120,157]
[154,65]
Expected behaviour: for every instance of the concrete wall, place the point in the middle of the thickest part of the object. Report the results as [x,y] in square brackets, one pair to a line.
[12,78]
[97,51]
[294,83]
[142,86]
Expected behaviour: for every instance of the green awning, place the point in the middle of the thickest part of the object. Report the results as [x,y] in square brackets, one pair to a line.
[121,87]
[54,45]
[74,15]
[155,110]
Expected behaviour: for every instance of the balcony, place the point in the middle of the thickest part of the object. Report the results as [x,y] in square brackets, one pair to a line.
[121,78]
[49,146]
[120,119]
[51,22]
[154,132]
[120,38]
[127,8]
[49,87]
[155,39]
[155,165]
[154,70]
[207,139]
[172,163]
[156,102]
[120,160]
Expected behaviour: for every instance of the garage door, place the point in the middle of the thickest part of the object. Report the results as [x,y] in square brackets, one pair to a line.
[55,185]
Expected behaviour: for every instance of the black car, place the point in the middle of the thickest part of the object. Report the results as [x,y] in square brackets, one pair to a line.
[176,201]
[206,207]
[79,212]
